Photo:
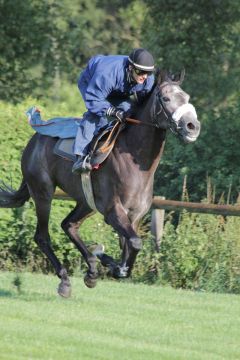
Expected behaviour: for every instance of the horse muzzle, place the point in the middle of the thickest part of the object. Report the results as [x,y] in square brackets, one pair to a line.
[188,128]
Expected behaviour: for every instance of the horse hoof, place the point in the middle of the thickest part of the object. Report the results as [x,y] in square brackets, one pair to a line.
[120,272]
[64,290]
[89,281]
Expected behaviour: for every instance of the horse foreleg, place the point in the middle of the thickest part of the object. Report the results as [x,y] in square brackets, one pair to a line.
[128,254]
[129,240]
[118,219]
[70,225]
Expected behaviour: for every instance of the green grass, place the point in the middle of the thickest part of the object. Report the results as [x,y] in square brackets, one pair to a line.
[115,320]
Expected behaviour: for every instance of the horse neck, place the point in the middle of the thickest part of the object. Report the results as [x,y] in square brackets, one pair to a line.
[146,142]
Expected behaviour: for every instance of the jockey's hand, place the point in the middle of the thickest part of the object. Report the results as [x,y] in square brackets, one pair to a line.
[118,114]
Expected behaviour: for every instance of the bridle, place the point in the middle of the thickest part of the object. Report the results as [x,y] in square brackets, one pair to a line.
[162,111]
[159,110]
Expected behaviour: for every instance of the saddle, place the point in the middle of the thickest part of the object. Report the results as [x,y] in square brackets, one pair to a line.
[100,147]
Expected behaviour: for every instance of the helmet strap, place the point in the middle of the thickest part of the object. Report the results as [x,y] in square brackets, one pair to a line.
[130,76]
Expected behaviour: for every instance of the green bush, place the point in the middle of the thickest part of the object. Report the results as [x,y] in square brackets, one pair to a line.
[215,154]
[202,253]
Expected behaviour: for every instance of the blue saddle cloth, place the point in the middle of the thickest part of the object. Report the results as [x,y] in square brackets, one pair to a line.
[61,127]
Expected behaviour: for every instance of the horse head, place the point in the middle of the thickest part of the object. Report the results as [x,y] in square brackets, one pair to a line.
[172,109]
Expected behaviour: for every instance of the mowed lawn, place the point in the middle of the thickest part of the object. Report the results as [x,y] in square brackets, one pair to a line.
[115,320]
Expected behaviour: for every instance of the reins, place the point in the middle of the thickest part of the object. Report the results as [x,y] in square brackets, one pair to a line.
[138,122]
[161,111]
[156,115]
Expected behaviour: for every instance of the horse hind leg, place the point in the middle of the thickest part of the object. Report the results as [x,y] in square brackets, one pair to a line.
[42,238]
[116,269]
[110,263]
[128,258]
[70,225]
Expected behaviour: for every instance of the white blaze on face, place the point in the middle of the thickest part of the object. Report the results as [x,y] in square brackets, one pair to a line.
[176,116]
[175,95]
[183,109]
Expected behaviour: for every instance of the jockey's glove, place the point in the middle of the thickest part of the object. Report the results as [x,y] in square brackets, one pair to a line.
[118,114]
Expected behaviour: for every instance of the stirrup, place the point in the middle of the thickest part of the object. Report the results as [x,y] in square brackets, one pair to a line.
[82,165]
[86,165]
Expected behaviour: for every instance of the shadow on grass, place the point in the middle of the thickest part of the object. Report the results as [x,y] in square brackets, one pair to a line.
[29,297]
[6,293]
[35,297]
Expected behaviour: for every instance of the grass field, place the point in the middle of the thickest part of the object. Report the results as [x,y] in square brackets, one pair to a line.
[114,321]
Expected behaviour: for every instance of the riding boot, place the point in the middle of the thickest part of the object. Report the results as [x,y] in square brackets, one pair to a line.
[78,164]
[82,164]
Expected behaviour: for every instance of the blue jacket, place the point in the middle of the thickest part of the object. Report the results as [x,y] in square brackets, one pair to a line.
[106,78]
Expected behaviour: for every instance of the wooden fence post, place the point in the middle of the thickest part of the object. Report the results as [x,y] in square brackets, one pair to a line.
[157,225]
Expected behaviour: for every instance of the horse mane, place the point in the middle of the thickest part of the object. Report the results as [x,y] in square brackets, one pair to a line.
[161,76]
[157,81]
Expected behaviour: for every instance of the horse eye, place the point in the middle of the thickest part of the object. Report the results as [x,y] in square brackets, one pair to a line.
[165,99]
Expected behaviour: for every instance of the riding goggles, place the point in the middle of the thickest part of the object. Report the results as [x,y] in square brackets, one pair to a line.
[140,72]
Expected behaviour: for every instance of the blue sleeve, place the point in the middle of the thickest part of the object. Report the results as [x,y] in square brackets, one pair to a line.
[97,91]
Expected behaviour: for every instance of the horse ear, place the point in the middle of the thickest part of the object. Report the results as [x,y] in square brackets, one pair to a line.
[161,76]
[178,78]
[182,75]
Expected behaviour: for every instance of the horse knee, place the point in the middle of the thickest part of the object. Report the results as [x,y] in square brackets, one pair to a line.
[135,243]
[64,225]
[39,240]
[70,228]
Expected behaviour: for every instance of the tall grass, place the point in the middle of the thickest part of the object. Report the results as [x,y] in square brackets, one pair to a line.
[202,252]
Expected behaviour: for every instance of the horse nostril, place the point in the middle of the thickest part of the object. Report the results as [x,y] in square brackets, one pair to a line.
[191,126]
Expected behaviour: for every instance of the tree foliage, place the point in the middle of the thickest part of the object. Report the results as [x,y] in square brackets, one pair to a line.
[24,32]
[45,41]
[201,37]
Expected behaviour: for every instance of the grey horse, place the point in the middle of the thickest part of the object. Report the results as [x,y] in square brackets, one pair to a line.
[122,186]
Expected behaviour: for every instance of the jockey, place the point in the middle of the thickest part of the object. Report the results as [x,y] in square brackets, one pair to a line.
[108,85]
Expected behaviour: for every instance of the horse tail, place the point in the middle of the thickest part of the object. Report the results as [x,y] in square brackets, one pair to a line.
[10,198]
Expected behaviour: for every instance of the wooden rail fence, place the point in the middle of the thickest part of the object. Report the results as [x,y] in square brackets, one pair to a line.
[160,204]
[224,210]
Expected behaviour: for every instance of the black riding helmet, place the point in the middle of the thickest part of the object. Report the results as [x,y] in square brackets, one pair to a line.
[141,59]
